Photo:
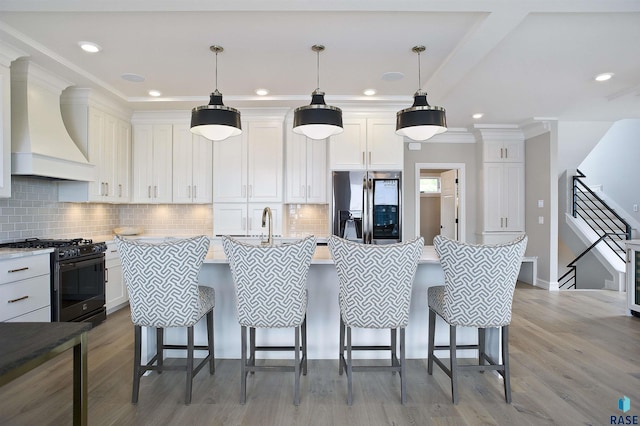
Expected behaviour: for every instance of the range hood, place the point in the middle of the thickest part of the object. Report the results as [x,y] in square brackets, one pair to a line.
[40,143]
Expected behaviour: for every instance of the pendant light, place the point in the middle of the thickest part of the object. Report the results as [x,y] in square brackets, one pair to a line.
[317,120]
[421,121]
[215,121]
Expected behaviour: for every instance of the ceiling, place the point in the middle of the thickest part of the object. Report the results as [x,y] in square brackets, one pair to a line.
[515,61]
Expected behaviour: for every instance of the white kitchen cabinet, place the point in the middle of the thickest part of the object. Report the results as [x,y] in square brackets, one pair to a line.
[248,168]
[506,151]
[306,170]
[115,288]
[106,141]
[192,167]
[502,172]
[242,219]
[25,288]
[152,163]
[5,129]
[369,143]
[504,197]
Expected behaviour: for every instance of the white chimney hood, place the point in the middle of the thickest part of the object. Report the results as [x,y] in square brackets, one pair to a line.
[40,143]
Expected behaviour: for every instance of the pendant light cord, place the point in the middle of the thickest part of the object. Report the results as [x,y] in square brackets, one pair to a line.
[318,70]
[216,71]
[419,70]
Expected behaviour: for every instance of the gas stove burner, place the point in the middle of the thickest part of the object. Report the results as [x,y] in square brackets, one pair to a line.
[64,248]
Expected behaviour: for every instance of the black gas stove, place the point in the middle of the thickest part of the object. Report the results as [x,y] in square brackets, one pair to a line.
[64,248]
[77,277]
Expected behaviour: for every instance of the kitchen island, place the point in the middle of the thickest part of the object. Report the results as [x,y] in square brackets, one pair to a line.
[322,314]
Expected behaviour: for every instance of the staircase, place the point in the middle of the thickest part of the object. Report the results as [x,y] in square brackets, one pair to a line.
[602,228]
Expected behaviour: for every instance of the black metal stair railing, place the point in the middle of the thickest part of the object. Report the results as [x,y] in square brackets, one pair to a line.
[602,219]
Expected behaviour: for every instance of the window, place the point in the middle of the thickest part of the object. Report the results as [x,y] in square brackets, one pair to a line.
[429,185]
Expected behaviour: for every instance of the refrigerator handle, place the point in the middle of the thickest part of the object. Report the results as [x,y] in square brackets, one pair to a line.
[367,225]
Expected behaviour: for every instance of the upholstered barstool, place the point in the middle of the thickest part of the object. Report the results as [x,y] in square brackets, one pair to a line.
[478,292]
[162,281]
[375,283]
[271,292]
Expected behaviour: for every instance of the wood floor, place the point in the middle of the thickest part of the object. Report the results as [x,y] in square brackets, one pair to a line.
[573,355]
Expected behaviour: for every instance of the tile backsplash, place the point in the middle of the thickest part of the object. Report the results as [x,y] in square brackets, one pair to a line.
[33,211]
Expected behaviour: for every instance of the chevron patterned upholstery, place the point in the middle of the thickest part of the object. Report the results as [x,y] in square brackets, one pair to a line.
[375,281]
[479,282]
[162,281]
[270,281]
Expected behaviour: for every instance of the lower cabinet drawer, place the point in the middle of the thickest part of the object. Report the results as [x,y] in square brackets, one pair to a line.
[39,315]
[21,297]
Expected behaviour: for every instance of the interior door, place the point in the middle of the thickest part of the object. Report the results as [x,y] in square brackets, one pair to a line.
[449,204]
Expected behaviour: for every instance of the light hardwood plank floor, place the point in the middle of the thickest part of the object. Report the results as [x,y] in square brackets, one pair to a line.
[573,355]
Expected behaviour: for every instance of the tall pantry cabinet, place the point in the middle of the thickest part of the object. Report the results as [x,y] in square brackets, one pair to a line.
[152,163]
[502,215]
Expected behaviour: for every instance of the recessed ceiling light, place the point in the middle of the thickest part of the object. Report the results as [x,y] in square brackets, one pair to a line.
[262,92]
[604,76]
[89,46]
[369,92]
[154,93]
[132,77]
[392,76]
[477,115]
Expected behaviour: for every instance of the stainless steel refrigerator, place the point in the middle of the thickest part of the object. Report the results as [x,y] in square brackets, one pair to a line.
[367,206]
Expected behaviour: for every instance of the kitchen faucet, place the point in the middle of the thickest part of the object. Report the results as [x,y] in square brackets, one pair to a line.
[267,212]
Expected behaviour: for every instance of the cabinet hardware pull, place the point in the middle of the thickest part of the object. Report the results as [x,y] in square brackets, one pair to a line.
[506,153]
[155,191]
[506,222]
[501,222]
[113,251]
[195,191]
[19,269]
[18,299]
[106,275]
[119,190]
[149,191]
[106,185]
[501,152]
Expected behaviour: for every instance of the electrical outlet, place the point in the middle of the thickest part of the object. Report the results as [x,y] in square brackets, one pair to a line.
[540,204]
[635,207]
[541,220]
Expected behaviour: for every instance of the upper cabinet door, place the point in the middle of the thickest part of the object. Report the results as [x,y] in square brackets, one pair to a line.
[348,150]
[123,161]
[5,132]
[142,166]
[230,169]
[316,171]
[182,164]
[296,169]
[162,163]
[265,161]
[386,149]
[503,151]
[202,170]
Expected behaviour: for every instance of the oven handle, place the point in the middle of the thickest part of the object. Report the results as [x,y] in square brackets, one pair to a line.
[82,263]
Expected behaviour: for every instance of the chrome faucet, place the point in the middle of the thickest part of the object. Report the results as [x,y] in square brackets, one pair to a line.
[267,212]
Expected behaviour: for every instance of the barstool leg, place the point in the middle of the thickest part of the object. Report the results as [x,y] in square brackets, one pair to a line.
[506,375]
[454,364]
[394,345]
[160,349]
[304,346]
[296,394]
[252,348]
[243,365]
[481,346]
[403,382]
[341,350]
[212,367]
[190,345]
[137,355]
[432,337]
[349,369]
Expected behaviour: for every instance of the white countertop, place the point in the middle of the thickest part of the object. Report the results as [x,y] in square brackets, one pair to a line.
[321,256]
[10,253]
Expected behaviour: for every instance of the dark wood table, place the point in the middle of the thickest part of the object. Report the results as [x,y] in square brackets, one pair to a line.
[24,346]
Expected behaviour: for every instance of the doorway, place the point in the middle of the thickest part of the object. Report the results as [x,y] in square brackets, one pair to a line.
[439,201]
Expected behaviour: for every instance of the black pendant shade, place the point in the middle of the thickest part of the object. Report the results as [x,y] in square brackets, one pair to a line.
[317,120]
[421,121]
[215,121]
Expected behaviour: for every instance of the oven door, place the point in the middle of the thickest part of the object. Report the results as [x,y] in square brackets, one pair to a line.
[81,287]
